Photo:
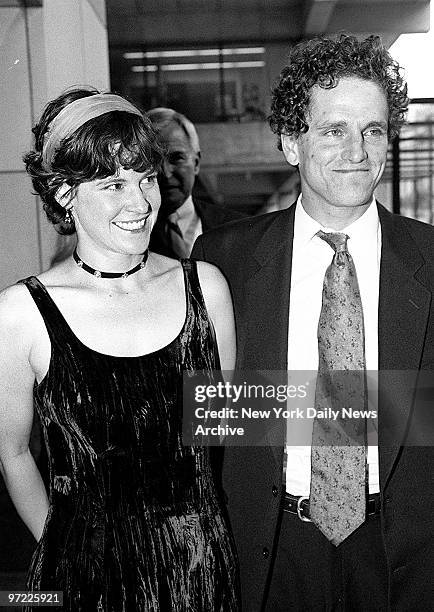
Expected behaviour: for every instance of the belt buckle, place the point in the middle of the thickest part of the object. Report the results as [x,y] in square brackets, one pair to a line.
[303,518]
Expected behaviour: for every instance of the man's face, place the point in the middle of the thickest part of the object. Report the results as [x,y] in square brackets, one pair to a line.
[179,170]
[343,154]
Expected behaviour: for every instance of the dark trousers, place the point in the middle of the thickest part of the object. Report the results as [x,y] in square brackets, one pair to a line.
[310,574]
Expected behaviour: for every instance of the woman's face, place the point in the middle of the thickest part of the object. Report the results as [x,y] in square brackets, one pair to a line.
[117,213]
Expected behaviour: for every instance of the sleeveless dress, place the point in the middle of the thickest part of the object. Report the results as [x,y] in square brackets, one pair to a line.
[135,523]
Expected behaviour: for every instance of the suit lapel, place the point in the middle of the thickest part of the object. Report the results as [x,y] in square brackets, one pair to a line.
[403,316]
[267,298]
[267,291]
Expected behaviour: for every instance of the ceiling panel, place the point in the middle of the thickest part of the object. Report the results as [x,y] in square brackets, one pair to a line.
[194,22]
[15,3]
[134,7]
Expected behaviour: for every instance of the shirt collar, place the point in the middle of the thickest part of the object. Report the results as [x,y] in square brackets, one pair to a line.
[184,212]
[364,228]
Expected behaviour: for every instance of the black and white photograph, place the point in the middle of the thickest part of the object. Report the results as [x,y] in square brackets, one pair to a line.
[217,305]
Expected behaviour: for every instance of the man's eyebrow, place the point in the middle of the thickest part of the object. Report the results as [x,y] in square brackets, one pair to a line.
[339,123]
[330,123]
[378,123]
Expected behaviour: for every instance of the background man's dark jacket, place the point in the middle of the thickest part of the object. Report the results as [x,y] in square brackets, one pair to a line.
[211,216]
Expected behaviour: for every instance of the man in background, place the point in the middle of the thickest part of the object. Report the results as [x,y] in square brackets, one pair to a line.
[182,217]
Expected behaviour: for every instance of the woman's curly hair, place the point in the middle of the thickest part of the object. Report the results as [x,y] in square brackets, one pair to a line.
[323,61]
[94,151]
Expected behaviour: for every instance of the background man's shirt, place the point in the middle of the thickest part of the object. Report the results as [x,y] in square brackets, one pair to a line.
[190,226]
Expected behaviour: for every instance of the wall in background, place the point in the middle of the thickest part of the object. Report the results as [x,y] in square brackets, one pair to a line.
[44,50]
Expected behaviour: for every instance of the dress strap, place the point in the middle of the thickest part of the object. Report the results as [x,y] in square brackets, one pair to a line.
[198,322]
[58,329]
[193,291]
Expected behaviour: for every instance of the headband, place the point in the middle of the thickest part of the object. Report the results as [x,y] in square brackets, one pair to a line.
[76,114]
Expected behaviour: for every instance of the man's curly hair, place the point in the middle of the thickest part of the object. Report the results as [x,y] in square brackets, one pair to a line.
[323,61]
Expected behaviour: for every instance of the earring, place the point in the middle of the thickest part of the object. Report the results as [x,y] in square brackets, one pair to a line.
[68,216]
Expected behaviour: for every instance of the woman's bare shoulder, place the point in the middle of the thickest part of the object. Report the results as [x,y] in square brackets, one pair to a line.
[58,275]
[18,313]
[166,269]
[13,300]
[215,288]
[211,278]
[163,264]
[16,304]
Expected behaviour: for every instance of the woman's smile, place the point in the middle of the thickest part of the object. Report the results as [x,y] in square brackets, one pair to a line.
[132,226]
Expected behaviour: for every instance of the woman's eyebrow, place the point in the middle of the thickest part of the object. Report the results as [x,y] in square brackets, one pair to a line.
[109,179]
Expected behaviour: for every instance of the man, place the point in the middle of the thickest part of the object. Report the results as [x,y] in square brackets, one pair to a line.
[302,544]
[181,218]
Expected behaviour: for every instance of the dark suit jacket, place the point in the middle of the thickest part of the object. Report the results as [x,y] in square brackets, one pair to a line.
[255,256]
[211,215]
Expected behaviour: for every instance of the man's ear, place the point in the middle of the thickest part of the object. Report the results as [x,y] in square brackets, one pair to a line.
[290,149]
[64,195]
[197,163]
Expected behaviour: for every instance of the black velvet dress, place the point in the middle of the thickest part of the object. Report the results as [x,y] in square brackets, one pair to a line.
[135,522]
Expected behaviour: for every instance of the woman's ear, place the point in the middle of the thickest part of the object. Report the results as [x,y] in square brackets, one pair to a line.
[63,195]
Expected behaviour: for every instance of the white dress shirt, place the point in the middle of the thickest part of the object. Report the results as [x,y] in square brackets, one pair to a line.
[311,257]
[190,225]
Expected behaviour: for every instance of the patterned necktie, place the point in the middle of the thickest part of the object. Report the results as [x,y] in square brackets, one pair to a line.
[176,240]
[338,473]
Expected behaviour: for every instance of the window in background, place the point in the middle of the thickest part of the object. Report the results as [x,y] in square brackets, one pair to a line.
[212,84]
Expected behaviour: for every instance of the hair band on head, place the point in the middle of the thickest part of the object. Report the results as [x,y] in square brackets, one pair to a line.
[75,114]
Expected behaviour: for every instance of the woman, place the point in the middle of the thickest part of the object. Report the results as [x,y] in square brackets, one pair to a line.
[99,342]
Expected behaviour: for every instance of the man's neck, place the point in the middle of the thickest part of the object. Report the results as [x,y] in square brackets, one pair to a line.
[334,217]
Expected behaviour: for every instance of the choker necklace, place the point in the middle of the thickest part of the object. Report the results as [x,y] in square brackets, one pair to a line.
[80,263]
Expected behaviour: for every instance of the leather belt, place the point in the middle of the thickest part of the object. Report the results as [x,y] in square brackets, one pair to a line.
[299,505]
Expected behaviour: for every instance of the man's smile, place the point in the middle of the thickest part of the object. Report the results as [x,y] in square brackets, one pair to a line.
[351,170]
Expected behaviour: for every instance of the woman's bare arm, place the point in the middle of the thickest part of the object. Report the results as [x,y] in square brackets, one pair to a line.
[17,465]
[218,302]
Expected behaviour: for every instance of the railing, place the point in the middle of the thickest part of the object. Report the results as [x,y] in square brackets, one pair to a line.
[410,167]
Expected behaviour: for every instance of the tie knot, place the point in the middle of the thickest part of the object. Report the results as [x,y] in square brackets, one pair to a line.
[337,241]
